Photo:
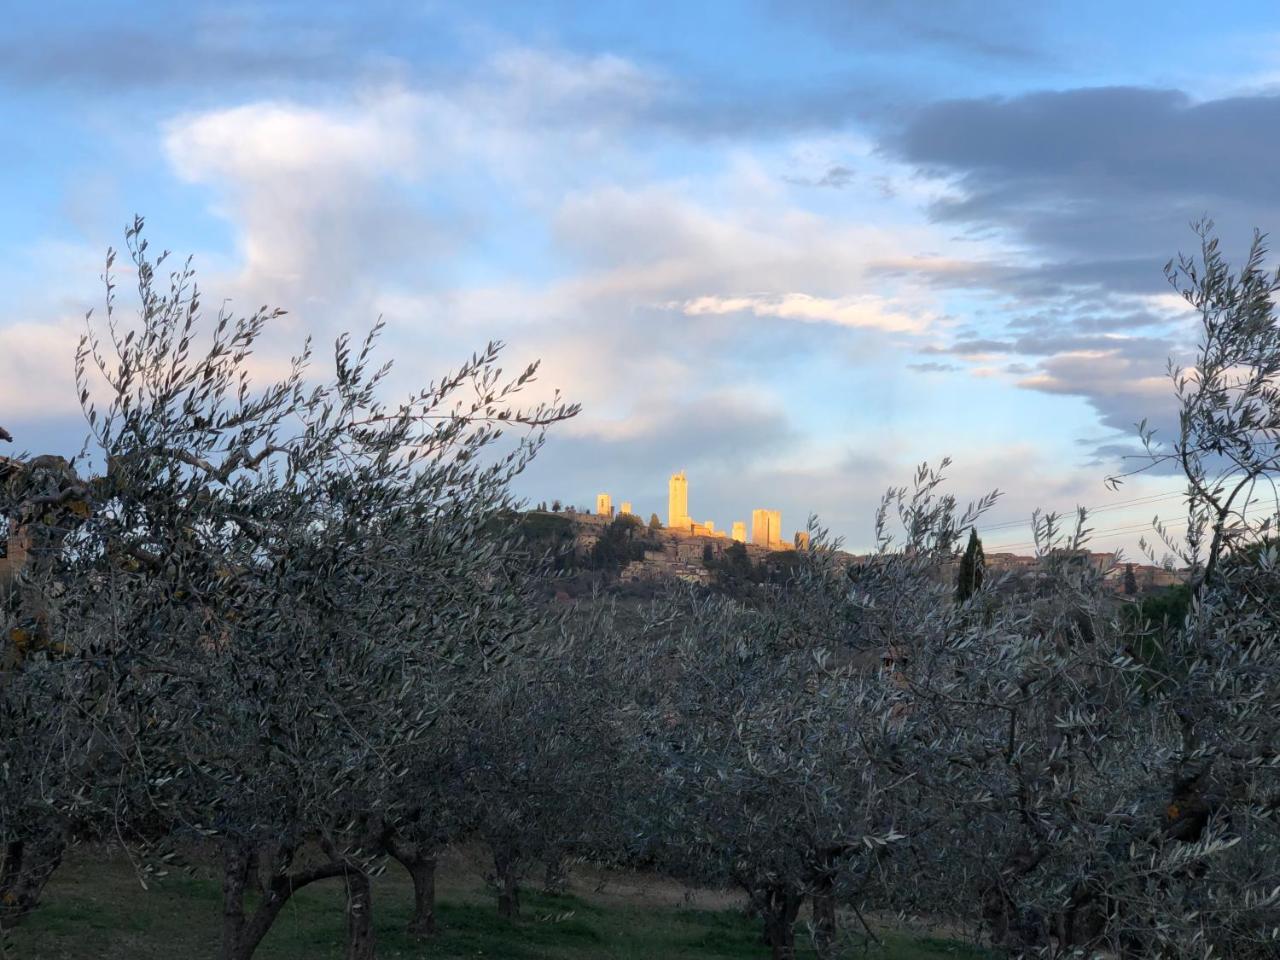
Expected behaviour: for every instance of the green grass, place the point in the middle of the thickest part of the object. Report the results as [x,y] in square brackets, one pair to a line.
[98,909]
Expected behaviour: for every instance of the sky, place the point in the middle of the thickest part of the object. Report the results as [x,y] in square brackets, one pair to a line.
[794,249]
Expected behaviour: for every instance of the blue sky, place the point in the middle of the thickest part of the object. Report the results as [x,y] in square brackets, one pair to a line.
[792,248]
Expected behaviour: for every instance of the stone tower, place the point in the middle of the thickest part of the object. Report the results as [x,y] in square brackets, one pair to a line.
[775,529]
[625,508]
[604,505]
[678,502]
[766,528]
[739,531]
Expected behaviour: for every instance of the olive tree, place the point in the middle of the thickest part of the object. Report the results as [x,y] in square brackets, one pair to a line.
[276,573]
[777,745]
[1227,445]
[1092,789]
[47,749]
[547,743]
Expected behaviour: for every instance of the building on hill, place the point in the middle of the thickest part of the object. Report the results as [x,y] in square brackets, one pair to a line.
[766,528]
[707,529]
[604,505]
[739,531]
[678,502]
[626,508]
[802,540]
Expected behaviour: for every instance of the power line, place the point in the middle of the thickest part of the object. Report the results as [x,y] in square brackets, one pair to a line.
[1103,508]
[1094,535]
[1111,533]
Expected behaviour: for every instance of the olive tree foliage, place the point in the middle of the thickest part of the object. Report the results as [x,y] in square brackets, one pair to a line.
[45,754]
[777,745]
[1086,792]
[1034,730]
[284,584]
[1084,800]
[1075,798]
[1227,445]
[546,752]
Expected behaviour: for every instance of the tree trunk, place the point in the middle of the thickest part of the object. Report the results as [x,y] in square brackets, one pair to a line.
[237,863]
[505,863]
[556,878]
[360,940]
[422,871]
[242,934]
[824,916]
[780,906]
[28,865]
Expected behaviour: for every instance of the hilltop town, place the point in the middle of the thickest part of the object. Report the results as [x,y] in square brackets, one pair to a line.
[766,525]
[692,551]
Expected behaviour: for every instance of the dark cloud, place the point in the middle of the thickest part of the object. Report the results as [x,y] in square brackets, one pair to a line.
[1104,181]
[964,347]
[1045,344]
[837,177]
[217,49]
[130,59]
[1097,187]
[984,30]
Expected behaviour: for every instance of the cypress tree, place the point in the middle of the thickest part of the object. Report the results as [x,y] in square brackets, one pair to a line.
[1130,581]
[972,567]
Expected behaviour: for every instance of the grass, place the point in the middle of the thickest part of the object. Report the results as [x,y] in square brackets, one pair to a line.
[96,908]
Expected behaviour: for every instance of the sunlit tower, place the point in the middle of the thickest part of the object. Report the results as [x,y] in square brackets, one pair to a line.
[678,502]
[766,528]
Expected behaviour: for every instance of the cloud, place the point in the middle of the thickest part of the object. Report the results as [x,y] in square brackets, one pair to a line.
[320,198]
[538,86]
[689,310]
[1090,177]
[984,30]
[865,311]
[36,364]
[233,47]
[1083,195]
[836,177]
[1115,384]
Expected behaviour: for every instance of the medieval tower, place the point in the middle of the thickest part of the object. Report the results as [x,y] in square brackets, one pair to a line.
[678,502]
[766,528]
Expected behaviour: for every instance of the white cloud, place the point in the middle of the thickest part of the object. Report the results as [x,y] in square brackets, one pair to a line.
[36,369]
[1104,372]
[865,311]
[262,142]
[315,194]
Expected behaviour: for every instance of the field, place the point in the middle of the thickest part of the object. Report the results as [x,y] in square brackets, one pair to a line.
[95,908]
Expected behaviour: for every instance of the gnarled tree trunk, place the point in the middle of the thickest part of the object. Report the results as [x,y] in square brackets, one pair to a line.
[241,933]
[824,915]
[556,877]
[506,862]
[360,940]
[779,905]
[27,866]
[421,865]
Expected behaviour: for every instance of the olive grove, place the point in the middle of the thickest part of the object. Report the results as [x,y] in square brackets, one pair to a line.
[288,627]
